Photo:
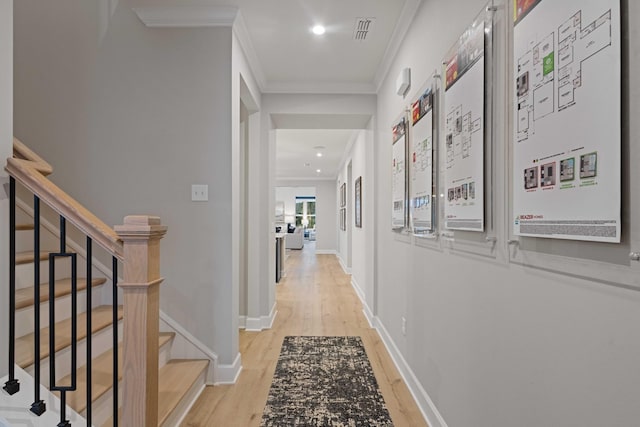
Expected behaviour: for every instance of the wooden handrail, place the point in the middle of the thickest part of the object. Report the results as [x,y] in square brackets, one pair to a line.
[23,152]
[29,173]
[137,244]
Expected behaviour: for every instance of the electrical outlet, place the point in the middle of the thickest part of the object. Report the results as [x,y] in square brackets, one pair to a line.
[199,193]
[404,325]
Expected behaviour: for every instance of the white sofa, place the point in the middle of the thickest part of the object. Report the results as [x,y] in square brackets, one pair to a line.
[295,240]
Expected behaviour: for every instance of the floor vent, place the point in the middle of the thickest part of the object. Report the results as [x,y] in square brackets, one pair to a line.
[363,27]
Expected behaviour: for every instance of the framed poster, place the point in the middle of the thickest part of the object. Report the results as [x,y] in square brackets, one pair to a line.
[567,115]
[399,175]
[343,195]
[464,133]
[358,202]
[421,164]
[343,219]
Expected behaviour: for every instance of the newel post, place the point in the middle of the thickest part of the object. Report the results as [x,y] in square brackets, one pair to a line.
[141,292]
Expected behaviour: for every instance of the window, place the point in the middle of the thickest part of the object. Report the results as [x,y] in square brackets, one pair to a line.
[306,209]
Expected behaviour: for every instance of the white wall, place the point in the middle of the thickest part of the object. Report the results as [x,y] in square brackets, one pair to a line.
[325,194]
[6,144]
[493,343]
[129,121]
[288,196]
[360,157]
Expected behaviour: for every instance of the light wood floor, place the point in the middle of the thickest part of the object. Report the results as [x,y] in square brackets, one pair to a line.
[315,298]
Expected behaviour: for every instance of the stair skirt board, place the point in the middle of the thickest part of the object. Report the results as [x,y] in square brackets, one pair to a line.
[187,346]
[15,409]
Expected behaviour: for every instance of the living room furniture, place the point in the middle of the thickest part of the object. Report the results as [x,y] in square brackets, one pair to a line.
[295,240]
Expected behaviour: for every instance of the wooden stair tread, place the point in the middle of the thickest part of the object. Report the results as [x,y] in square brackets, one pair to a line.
[175,379]
[24,227]
[27,256]
[24,296]
[25,354]
[102,375]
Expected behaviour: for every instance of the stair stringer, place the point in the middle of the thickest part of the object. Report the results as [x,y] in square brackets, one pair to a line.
[187,346]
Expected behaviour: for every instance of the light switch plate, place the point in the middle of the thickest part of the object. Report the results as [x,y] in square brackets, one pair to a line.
[199,193]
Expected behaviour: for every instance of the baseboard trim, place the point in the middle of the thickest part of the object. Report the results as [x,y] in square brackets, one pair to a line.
[325,252]
[253,324]
[365,308]
[428,409]
[346,269]
[368,314]
[228,374]
[358,290]
[257,324]
[267,321]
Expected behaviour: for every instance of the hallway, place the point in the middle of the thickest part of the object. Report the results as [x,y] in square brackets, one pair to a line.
[314,298]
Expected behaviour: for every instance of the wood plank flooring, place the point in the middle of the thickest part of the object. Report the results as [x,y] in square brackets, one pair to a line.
[314,298]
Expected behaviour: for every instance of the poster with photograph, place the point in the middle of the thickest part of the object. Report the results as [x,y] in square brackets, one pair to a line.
[567,149]
[464,130]
[399,175]
[421,198]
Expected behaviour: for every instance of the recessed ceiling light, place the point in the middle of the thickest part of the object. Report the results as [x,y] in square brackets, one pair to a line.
[318,154]
[318,170]
[318,30]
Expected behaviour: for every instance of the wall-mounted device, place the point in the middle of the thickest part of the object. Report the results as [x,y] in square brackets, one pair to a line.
[403,83]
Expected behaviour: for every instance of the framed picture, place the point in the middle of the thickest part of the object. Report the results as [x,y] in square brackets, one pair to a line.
[343,219]
[343,195]
[358,202]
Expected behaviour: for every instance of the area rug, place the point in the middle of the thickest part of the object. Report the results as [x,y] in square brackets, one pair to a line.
[324,381]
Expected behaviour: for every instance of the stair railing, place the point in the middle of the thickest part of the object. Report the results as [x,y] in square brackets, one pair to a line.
[136,244]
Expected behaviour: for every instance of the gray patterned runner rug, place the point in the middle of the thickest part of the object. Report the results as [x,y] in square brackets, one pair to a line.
[324,381]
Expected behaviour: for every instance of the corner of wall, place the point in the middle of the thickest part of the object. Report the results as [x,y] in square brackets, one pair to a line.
[6,148]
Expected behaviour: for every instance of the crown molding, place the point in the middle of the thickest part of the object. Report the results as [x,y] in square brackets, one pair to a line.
[187,16]
[409,11]
[326,88]
[306,178]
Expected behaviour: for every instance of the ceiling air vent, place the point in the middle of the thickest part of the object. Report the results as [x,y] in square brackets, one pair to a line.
[362,28]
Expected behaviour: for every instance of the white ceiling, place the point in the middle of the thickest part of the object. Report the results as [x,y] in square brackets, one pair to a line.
[287,58]
[295,149]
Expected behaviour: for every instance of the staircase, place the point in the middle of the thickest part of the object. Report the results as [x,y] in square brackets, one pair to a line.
[83,322]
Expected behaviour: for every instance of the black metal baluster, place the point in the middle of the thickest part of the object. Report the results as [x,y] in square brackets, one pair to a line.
[116,405]
[89,329]
[38,406]
[12,386]
[74,324]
